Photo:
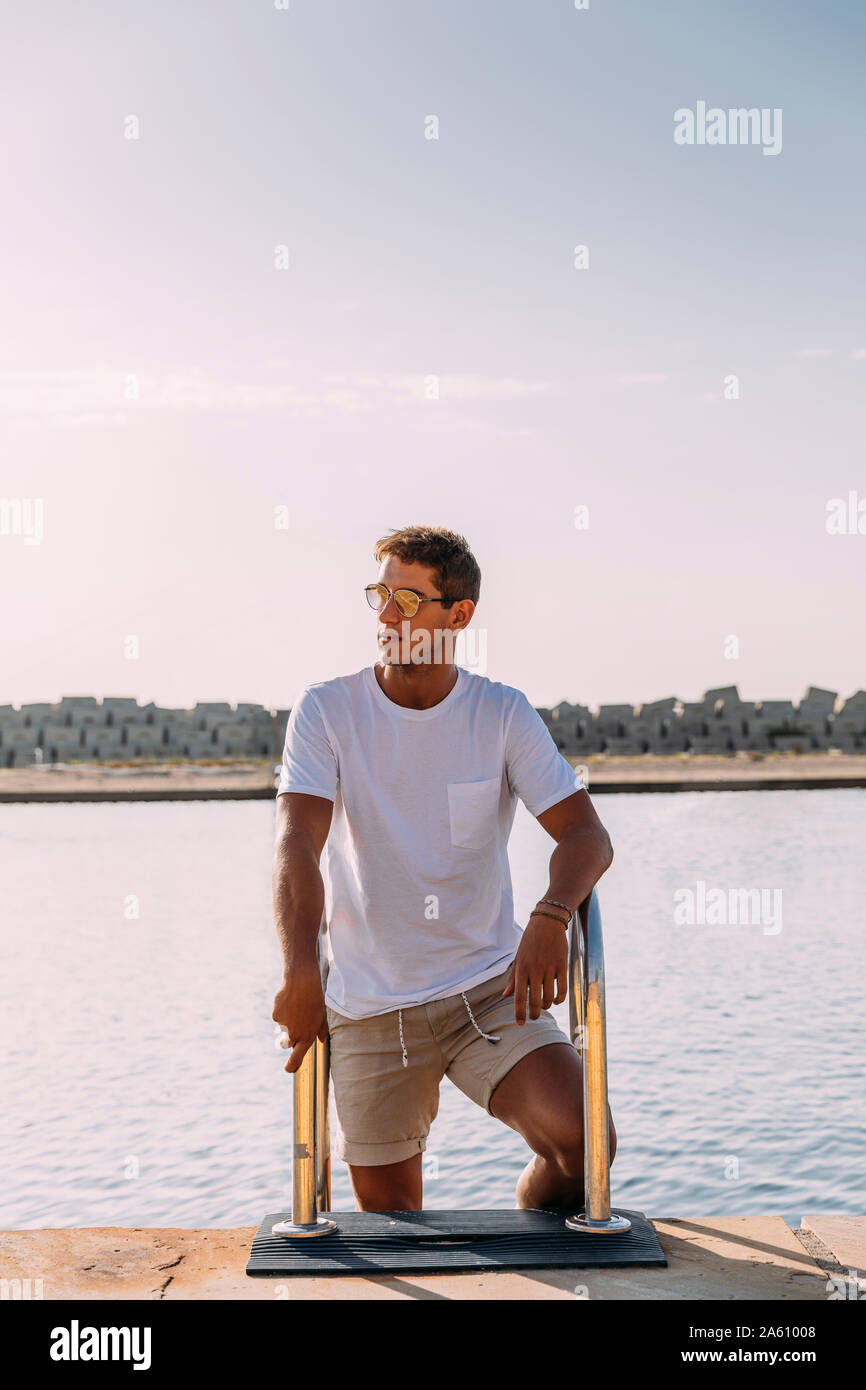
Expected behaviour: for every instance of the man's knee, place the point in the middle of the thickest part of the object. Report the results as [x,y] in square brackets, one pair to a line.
[388,1186]
[566,1149]
[388,1199]
[569,1159]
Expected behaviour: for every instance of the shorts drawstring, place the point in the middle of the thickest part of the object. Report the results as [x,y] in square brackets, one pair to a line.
[491,1037]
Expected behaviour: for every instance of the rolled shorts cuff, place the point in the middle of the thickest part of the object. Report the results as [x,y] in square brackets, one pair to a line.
[521,1048]
[369,1155]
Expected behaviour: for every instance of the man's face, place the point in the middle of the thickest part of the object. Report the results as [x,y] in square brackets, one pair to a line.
[398,636]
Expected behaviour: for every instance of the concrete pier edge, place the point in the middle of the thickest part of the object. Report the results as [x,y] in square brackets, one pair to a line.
[749,1258]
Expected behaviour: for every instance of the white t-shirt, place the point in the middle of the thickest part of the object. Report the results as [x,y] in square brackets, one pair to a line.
[418,897]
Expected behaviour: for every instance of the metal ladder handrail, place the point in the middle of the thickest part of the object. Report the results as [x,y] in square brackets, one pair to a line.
[587,1025]
[311,1153]
[311,1148]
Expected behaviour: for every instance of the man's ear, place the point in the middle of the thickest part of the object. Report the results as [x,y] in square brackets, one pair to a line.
[463,621]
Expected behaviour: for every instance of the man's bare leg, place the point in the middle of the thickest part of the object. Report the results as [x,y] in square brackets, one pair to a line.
[388,1186]
[542,1098]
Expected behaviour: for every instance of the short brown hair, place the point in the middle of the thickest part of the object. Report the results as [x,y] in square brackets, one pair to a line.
[455,569]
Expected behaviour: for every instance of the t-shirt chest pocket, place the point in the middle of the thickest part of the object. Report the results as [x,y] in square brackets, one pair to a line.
[473,809]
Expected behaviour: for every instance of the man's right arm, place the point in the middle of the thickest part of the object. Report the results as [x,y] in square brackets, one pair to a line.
[302,826]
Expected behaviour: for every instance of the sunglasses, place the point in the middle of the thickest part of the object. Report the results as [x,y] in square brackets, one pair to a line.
[407,600]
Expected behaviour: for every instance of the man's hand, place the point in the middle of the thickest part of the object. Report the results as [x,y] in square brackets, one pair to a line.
[300,1007]
[541,960]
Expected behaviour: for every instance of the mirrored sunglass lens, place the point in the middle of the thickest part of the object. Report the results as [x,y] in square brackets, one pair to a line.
[407,602]
[377,597]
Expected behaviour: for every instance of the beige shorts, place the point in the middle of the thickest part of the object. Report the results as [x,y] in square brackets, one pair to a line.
[385,1109]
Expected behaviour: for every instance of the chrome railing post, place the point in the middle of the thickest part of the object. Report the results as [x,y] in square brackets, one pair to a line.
[311,1150]
[586,1016]
[322,1125]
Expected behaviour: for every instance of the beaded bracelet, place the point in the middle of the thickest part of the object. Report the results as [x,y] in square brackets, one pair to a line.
[552,915]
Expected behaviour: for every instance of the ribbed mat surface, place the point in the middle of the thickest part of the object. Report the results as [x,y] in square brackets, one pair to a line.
[419,1241]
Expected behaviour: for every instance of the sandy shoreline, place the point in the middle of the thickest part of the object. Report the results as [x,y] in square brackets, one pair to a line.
[255,779]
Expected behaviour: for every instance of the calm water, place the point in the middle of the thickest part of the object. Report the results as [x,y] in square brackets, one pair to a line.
[141,1084]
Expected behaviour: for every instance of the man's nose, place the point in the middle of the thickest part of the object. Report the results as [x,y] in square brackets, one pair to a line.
[390,613]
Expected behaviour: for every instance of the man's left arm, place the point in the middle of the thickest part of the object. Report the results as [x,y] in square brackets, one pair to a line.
[583,852]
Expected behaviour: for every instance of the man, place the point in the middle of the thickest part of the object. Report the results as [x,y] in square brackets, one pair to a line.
[414,766]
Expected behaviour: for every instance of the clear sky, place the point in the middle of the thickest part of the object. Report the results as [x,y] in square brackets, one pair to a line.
[165,385]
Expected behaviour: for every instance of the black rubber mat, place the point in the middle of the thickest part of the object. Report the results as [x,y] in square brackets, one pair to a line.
[418,1241]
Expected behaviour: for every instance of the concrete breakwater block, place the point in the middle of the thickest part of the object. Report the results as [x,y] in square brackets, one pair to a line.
[419,1241]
